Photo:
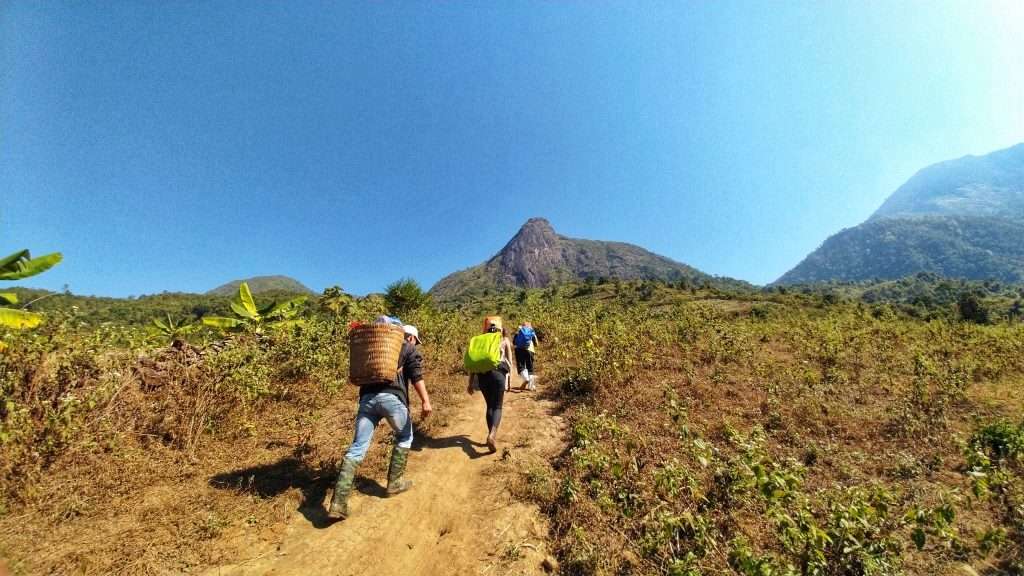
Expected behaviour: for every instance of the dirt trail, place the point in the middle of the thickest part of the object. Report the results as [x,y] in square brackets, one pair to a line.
[459,518]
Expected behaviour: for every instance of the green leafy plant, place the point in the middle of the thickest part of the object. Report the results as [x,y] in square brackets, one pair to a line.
[15,267]
[251,317]
[171,330]
[335,301]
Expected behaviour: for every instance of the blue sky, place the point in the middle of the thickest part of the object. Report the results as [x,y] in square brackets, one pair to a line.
[178,145]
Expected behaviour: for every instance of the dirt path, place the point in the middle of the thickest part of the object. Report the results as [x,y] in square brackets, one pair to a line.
[459,518]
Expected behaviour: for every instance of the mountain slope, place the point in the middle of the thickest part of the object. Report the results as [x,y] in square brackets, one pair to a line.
[990,185]
[962,218]
[260,284]
[537,257]
[971,247]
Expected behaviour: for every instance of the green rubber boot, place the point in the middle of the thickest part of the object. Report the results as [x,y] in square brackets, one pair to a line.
[338,509]
[397,485]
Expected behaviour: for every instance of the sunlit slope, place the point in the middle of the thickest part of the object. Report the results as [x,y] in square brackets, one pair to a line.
[962,218]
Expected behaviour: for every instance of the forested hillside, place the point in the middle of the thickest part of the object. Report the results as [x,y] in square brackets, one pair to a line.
[961,218]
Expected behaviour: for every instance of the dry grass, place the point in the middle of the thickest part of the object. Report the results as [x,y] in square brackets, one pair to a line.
[171,470]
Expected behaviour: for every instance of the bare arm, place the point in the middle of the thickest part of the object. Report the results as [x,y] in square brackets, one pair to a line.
[421,391]
[510,354]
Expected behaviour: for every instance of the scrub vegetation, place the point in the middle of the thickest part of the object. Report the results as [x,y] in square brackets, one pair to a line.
[794,431]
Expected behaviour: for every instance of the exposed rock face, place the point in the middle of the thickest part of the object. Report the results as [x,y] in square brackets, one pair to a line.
[530,255]
[538,257]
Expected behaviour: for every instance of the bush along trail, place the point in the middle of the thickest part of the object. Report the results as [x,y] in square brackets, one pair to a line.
[675,430]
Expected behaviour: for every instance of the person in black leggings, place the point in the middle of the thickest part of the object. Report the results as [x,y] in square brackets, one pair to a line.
[492,385]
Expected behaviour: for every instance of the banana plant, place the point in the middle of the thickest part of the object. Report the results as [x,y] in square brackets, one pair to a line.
[249,316]
[170,330]
[20,265]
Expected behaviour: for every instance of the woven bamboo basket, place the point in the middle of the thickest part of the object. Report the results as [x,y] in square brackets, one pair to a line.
[374,351]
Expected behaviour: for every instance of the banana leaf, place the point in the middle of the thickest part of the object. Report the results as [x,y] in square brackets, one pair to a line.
[160,324]
[245,299]
[9,260]
[19,319]
[286,309]
[222,322]
[19,265]
[241,310]
[8,298]
[283,324]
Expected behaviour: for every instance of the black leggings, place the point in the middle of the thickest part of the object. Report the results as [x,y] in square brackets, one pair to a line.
[524,359]
[492,385]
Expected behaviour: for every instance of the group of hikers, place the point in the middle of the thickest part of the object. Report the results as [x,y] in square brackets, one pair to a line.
[489,361]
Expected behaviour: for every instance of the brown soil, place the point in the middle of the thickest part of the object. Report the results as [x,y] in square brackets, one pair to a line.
[459,518]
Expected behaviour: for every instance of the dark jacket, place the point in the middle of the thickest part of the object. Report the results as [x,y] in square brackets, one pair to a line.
[410,364]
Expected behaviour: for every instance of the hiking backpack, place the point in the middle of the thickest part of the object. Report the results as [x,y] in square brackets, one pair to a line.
[483,354]
[523,337]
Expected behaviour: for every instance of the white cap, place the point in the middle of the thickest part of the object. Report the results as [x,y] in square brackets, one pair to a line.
[412,331]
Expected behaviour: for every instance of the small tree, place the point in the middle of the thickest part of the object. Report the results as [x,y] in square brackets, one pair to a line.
[971,308]
[1016,310]
[404,296]
[335,301]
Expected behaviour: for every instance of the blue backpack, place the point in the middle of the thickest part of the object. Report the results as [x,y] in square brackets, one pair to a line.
[523,337]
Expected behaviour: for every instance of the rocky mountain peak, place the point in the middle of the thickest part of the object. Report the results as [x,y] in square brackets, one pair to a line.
[535,234]
[538,257]
[527,257]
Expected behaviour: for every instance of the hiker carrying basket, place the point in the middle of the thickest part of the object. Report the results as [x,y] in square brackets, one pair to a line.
[383,360]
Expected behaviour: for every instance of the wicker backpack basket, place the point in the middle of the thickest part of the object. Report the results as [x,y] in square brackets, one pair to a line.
[374,351]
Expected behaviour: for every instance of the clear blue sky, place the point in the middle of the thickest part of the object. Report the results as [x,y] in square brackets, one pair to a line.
[178,145]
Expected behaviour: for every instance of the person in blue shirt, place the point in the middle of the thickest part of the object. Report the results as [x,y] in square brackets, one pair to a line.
[525,342]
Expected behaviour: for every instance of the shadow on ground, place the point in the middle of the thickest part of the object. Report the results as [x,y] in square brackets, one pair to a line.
[469,447]
[291,472]
[271,480]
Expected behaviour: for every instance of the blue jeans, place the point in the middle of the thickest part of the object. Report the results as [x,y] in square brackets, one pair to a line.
[372,408]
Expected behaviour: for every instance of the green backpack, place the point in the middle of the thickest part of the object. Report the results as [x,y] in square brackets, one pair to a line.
[484,353]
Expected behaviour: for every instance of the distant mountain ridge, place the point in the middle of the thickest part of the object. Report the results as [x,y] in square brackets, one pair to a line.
[990,185]
[537,257]
[961,218]
[260,284]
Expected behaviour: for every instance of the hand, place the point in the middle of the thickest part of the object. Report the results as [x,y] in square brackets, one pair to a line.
[427,410]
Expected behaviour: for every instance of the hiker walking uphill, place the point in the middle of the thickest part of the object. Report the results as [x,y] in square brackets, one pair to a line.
[525,342]
[488,361]
[387,399]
